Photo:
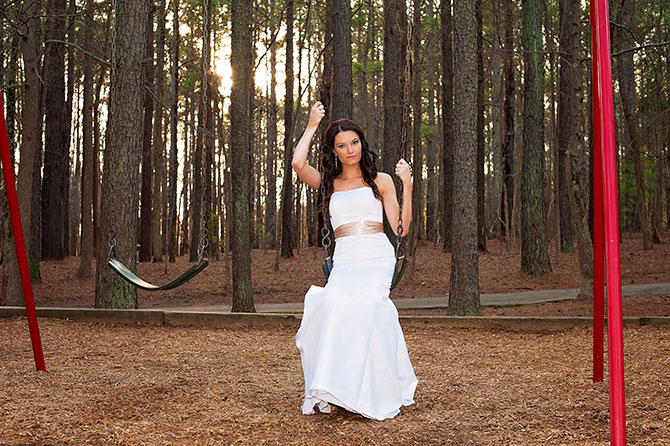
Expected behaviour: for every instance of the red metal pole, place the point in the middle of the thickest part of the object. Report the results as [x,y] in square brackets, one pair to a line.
[614,315]
[598,234]
[21,256]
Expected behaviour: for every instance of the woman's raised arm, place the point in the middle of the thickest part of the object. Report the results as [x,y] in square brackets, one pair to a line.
[307,173]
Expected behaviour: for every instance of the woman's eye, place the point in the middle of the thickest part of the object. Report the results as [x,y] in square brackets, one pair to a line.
[355,143]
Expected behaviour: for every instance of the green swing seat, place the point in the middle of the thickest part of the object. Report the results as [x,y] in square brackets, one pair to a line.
[130,277]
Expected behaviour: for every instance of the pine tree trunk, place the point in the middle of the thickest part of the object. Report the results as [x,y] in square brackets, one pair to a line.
[55,151]
[568,110]
[495,194]
[28,187]
[432,146]
[147,161]
[67,127]
[396,110]
[481,210]
[625,70]
[122,158]
[534,251]
[174,107]
[270,170]
[417,153]
[507,204]
[287,186]
[464,291]
[87,134]
[243,299]
[447,126]
[343,90]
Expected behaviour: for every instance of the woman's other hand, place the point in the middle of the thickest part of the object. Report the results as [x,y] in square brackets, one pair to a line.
[403,171]
[316,114]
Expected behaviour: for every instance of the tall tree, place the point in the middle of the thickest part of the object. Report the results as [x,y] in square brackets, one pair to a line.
[343,89]
[534,250]
[88,149]
[270,170]
[464,291]
[625,73]
[287,186]
[28,187]
[395,82]
[481,215]
[56,156]
[507,204]
[417,153]
[147,158]
[174,108]
[243,299]
[198,187]
[122,156]
[432,147]
[447,124]
[568,111]
[158,195]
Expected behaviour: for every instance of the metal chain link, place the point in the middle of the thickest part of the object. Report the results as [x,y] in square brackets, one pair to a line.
[112,242]
[325,230]
[204,241]
[404,128]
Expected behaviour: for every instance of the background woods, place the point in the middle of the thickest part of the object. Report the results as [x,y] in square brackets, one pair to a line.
[157,119]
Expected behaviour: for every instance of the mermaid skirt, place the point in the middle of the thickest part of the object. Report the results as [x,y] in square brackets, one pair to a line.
[352,347]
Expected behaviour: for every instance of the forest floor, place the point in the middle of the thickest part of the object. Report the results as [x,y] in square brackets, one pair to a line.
[112,384]
[499,272]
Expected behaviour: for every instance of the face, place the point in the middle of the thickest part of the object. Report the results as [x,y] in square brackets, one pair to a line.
[348,147]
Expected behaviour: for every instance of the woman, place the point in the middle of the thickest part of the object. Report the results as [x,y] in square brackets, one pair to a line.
[352,347]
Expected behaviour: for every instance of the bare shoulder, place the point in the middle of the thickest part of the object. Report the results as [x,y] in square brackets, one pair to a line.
[384,182]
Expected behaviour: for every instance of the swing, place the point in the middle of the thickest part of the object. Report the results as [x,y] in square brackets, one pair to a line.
[126,274]
[327,265]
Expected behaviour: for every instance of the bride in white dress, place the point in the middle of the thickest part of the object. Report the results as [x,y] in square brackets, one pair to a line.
[353,351]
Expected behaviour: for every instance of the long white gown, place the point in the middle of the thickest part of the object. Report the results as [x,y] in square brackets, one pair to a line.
[352,347]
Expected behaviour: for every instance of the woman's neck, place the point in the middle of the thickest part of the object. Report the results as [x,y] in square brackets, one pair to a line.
[351,172]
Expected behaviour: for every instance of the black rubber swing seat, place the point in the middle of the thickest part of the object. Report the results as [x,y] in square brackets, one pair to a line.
[130,277]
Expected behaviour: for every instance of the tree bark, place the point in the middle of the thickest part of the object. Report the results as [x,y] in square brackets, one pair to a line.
[29,177]
[56,155]
[507,204]
[447,126]
[243,299]
[287,186]
[395,108]
[174,107]
[417,153]
[626,77]
[464,290]
[147,161]
[481,214]
[87,134]
[432,148]
[119,198]
[270,170]
[343,90]
[534,250]
[568,111]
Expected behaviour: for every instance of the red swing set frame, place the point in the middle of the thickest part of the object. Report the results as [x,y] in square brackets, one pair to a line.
[605,228]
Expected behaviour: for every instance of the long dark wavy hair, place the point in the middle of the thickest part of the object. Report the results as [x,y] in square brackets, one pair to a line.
[330,170]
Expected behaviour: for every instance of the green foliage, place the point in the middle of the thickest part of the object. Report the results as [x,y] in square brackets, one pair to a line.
[427,130]
[628,188]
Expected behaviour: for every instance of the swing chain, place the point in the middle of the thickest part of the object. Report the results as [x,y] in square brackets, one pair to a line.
[204,242]
[404,128]
[325,231]
[112,242]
